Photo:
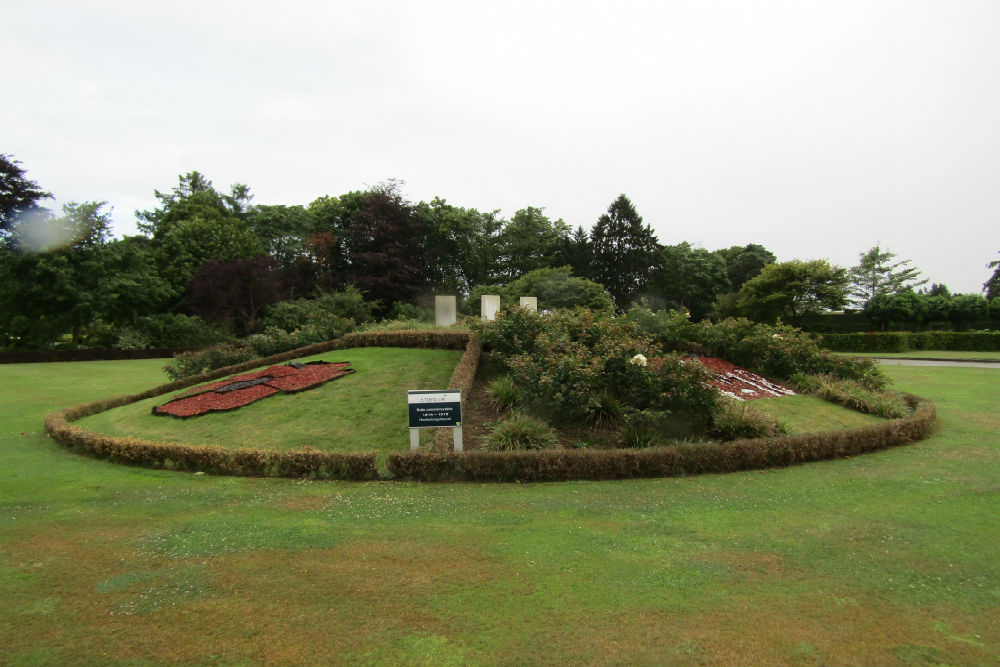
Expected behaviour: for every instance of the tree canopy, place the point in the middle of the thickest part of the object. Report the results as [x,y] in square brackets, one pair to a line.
[877,275]
[18,195]
[792,290]
[624,251]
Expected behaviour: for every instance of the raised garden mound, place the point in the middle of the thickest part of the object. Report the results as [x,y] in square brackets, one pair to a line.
[245,389]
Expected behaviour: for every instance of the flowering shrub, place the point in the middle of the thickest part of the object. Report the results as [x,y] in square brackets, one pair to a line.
[569,363]
[777,351]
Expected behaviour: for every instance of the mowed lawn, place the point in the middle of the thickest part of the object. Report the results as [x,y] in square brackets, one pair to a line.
[884,559]
[363,411]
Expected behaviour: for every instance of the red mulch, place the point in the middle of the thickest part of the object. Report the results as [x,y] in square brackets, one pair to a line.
[241,390]
[740,383]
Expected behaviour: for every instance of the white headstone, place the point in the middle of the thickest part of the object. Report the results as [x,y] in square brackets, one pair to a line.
[490,305]
[444,311]
[530,303]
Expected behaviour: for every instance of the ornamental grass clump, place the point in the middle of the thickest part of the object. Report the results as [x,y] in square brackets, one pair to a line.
[854,395]
[504,394]
[519,432]
[735,420]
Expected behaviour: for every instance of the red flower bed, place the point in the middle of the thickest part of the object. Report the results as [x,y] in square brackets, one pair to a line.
[740,383]
[244,389]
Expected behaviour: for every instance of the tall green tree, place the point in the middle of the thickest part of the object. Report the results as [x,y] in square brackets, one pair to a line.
[992,286]
[624,251]
[792,290]
[745,262]
[578,252]
[462,245]
[689,278]
[65,289]
[877,274]
[195,224]
[18,195]
[373,240]
[530,241]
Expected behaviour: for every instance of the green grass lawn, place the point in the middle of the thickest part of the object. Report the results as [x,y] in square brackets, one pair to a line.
[808,414]
[364,411]
[957,355]
[883,559]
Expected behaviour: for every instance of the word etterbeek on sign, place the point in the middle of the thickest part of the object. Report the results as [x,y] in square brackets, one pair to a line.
[430,409]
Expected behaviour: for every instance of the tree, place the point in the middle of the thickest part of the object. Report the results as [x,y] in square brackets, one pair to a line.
[745,262]
[196,224]
[64,289]
[18,195]
[792,290]
[689,279]
[234,292]
[992,286]
[461,245]
[530,241]
[902,309]
[578,252]
[877,274]
[281,232]
[624,251]
[373,240]
[558,288]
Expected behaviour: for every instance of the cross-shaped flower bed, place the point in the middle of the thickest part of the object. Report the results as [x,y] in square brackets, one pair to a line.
[241,390]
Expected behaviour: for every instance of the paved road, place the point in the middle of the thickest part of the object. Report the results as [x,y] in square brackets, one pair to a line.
[937,362]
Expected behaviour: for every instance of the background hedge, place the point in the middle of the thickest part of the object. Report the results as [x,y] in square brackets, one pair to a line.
[903,341]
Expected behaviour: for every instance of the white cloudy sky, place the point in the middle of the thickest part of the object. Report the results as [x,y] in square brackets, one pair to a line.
[817,129]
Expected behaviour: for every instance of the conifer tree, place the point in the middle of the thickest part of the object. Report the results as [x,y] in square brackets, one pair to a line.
[624,251]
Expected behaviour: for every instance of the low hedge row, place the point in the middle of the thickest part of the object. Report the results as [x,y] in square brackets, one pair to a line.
[440,464]
[249,462]
[462,379]
[217,460]
[39,356]
[904,341]
[670,461]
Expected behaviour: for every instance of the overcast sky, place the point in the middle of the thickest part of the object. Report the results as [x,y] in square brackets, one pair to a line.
[817,129]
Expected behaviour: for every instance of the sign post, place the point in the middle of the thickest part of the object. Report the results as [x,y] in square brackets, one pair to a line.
[435,409]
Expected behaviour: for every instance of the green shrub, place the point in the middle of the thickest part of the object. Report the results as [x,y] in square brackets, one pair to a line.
[503,393]
[777,351]
[735,420]
[331,314]
[187,364]
[401,310]
[606,412]
[567,362]
[518,432]
[643,429]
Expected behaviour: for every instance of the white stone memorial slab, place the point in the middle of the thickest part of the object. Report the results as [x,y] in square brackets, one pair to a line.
[490,306]
[530,303]
[445,311]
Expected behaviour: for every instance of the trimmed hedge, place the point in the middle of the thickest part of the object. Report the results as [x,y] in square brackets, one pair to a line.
[41,356]
[252,462]
[671,461]
[441,464]
[903,341]
[462,379]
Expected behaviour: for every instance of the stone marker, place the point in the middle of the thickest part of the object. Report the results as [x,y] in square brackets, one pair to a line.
[530,303]
[490,304]
[444,311]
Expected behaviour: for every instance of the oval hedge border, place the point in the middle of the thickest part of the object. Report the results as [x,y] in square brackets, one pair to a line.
[438,464]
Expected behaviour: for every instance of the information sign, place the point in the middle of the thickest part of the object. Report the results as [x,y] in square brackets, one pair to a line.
[430,409]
